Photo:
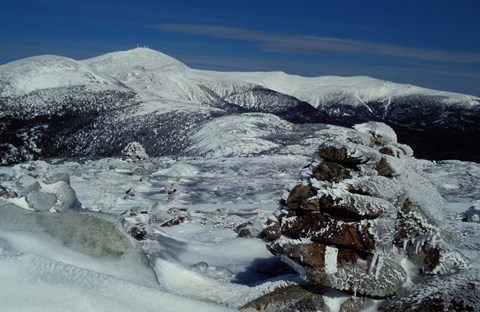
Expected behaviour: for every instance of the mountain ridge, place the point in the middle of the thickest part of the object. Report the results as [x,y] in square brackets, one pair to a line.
[141,91]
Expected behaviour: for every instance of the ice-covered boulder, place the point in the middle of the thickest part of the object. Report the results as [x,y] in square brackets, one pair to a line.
[360,211]
[134,151]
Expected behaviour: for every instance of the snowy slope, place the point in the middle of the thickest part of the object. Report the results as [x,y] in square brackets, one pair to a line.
[47,72]
[151,72]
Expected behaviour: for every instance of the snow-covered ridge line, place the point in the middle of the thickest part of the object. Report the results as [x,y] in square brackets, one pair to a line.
[52,104]
[316,90]
[128,66]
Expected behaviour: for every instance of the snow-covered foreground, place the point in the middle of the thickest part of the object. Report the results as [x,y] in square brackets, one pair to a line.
[48,262]
[84,259]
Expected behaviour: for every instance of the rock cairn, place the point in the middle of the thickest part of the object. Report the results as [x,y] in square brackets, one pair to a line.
[360,212]
[134,152]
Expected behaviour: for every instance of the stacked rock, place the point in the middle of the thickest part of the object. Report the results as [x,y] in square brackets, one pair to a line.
[134,152]
[358,212]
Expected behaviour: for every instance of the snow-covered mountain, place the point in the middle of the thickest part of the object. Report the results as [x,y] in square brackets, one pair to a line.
[56,106]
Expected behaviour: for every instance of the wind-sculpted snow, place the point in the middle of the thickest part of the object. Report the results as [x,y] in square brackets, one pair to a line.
[238,135]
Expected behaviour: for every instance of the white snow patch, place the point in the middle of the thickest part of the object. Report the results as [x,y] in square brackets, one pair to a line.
[331,254]
[450,186]
[20,202]
[178,170]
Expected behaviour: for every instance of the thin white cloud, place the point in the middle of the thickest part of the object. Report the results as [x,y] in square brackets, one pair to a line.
[313,44]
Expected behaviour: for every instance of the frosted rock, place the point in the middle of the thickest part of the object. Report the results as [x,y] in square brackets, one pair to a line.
[66,196]
[271,230]
[134,151]
[359,279]
[246,229]
[330,171]
[380,132]
[302,197]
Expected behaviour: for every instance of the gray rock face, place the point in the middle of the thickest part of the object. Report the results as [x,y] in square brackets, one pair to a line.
[40,201]
[360,209]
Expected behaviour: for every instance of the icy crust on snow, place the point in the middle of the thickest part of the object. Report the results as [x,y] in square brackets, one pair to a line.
[47,285]
[456,180]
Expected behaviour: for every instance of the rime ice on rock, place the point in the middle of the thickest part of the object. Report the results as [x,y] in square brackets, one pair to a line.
[134,151]
[360,209]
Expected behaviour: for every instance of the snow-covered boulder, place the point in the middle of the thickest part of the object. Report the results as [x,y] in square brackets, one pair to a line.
[361,210]
[32,188]
[139,221]
[134,151]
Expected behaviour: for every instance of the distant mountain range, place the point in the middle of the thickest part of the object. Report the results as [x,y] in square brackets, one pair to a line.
[52,106]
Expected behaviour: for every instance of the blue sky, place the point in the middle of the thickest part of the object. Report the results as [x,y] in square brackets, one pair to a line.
[431,43]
